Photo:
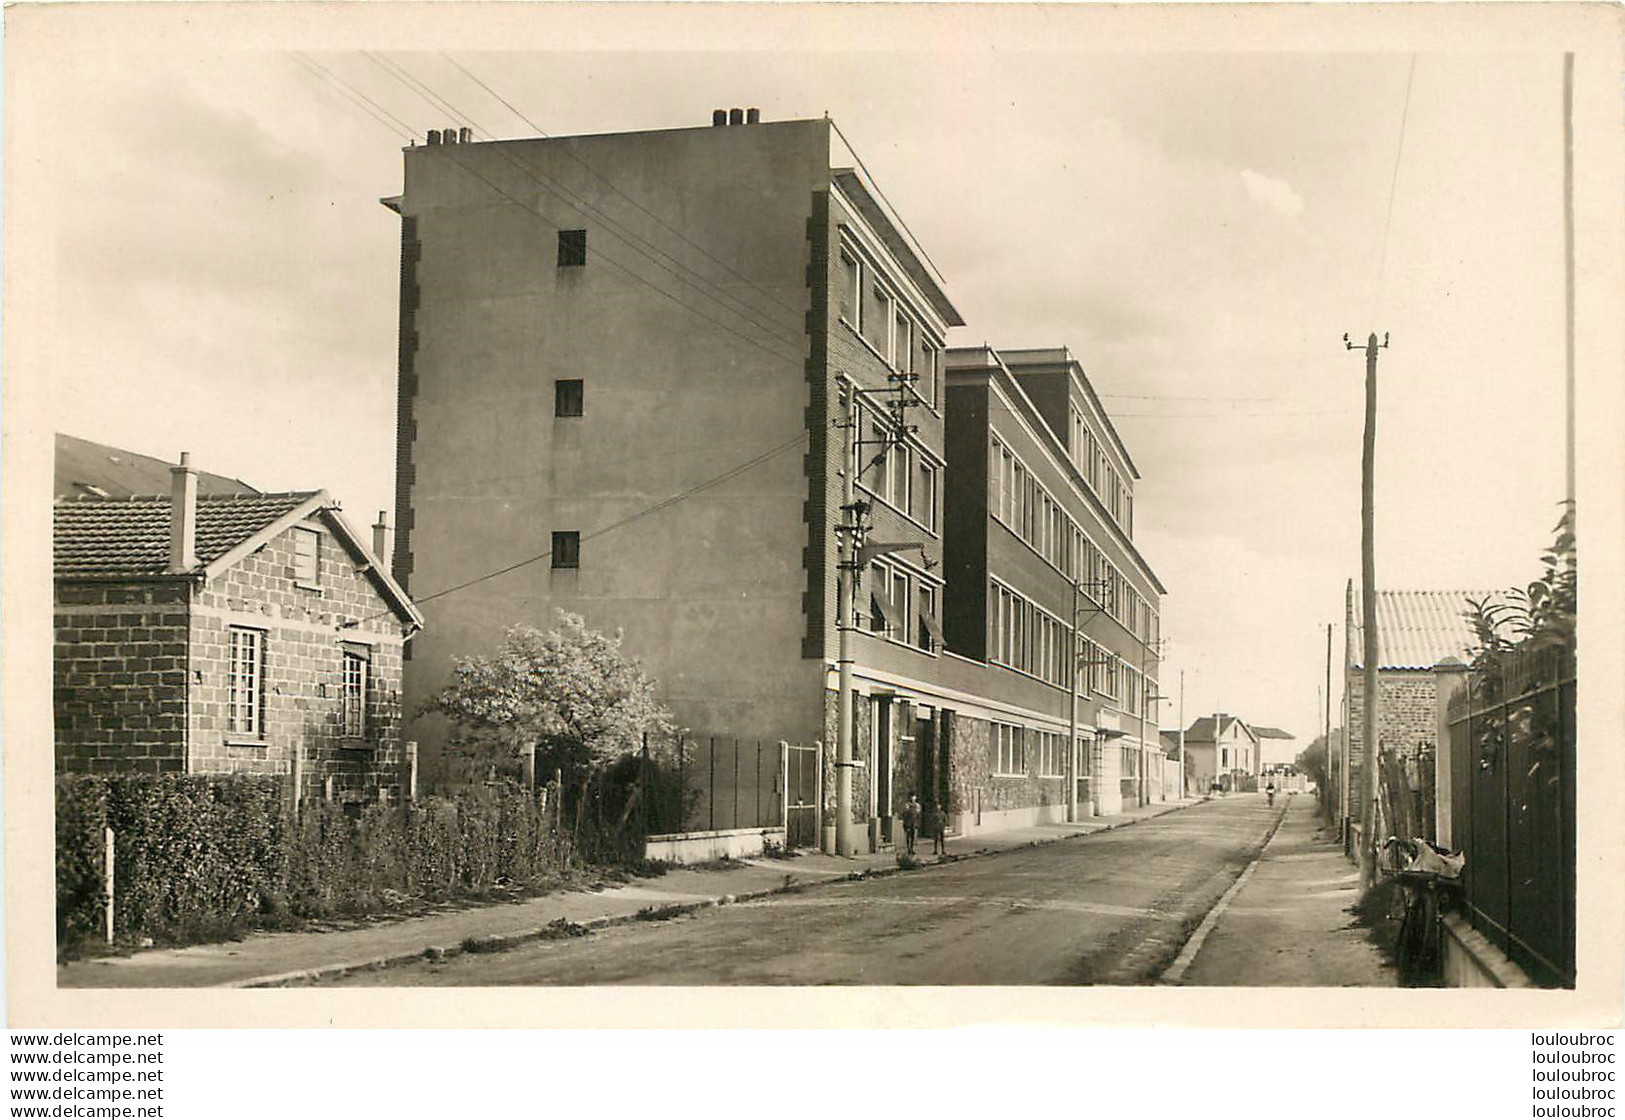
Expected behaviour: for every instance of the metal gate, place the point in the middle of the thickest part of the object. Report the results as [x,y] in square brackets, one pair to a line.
[803,785]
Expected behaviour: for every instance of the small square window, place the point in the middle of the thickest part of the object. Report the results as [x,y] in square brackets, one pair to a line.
[572,248]
[568,397]
[566,550]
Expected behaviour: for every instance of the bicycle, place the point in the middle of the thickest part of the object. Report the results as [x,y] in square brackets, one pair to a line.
[1420,945]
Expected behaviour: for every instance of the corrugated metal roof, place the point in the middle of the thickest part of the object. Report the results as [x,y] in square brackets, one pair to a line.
[1415,629]
[130,537]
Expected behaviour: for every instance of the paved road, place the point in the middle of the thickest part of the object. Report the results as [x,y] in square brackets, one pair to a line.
[1107,909]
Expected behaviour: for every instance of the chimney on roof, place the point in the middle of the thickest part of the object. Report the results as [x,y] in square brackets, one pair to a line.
[183,515]
[736,116]
[753,116]
[434,136]
[465,135]
[449,136]
[380,538]
[719,118]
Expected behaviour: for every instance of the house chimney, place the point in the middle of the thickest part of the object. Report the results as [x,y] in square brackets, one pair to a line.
[736,116]
[380,538]
[753,116]
[183,516]
[719,118]
[450,135]
[434,136]
[465,135]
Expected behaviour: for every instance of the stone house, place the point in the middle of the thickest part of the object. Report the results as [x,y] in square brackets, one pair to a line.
[235,632]
[1416,630]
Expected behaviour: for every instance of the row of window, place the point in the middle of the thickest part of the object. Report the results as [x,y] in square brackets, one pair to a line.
[245,700]
[892,469]
[1011,749]
[1095,465]
[1022,636]
[869,305]
[903,607]
[1021,503]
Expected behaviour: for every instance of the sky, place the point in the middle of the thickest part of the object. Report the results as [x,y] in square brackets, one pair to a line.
[1199,227]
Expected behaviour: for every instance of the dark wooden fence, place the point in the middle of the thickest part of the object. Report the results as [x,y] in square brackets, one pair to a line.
[705,783]
[1512,736]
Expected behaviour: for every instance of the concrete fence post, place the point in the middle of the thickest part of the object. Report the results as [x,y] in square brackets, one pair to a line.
[409,782]
[108,847]
[784,790]
[297,777]
[1450,680]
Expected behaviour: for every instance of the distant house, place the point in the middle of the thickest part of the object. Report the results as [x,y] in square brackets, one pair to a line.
[1416,630]
[1221,749]
[227,632]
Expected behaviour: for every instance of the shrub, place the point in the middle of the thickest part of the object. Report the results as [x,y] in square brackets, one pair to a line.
[204,857]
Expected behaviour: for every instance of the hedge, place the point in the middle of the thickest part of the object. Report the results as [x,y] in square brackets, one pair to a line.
[204,857]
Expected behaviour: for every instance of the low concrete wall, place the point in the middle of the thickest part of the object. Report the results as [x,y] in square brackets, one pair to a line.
[999,820]
[698,847]
[1471,961]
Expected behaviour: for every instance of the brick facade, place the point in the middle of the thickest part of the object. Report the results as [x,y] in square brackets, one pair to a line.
[120,672]
[143,672]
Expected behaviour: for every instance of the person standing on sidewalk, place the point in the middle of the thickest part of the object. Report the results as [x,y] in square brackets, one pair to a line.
[937,827]
[911,820]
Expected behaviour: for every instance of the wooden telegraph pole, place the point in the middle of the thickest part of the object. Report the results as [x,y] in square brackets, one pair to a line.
[1368,604]
[1326,794]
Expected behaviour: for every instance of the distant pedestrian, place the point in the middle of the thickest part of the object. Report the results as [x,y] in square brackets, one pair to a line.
[911,820]
[937,826]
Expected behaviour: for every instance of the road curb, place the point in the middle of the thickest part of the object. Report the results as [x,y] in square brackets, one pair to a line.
[1174,974]
[561,929]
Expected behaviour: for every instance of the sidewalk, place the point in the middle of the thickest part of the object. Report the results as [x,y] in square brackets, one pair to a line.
[1286,922]
[264,959]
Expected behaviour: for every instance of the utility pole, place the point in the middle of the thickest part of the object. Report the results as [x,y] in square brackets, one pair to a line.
[1368,606]
[1184,773]
[849,531]
[854,559]
[1326,794]
[1072,721]
[1568,277]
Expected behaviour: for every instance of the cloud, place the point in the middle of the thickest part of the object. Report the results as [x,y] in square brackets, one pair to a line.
[1274,193]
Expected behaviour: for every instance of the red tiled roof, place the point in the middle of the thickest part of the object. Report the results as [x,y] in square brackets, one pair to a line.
[130,537]
[1415,629]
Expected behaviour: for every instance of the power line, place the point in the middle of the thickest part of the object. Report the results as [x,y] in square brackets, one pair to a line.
[1153,397]
[608,183]
[1393,181]
[380,114]
[917,247]
[648,511]
[434,100]
[701,283]
[607,259]
[704,287]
